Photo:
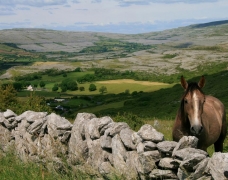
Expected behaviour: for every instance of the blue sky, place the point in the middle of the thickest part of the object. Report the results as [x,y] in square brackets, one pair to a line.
[117,16]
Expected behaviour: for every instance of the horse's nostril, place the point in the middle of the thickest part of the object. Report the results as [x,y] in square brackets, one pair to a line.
[196,130]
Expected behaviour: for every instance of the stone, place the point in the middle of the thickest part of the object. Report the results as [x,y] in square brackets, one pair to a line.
[7,124]
[167,147]
[148,133]
[133,165]
[188,153]
[125,136]
[78,149]
[169,163]
[9,113]
[66,137]
[106,169]
[149,146]
[140,148]
[106,142]
[95,156]
[190,162]
[218,165]
[136,139]
[200,169]
[102,124]
[185,142]
[55,122]
[183,174]
[5,137]
[148,161]
[36,126]
[31,116]
[119,155]
[115,128]
[162,174]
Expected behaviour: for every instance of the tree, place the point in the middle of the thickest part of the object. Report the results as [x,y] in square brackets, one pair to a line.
[72,86]
[35,84]
[42,84]
[55,88]
[92,87]
[103,90]
[63,88]
[17,86]
[78,69]
[64,74]
[68,84]
[127,91]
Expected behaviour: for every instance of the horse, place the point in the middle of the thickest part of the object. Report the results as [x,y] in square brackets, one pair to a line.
[200,115]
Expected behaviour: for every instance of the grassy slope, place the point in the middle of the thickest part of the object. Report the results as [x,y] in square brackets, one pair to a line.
[164,103]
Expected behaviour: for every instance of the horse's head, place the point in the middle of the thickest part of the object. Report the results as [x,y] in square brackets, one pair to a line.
[192,104]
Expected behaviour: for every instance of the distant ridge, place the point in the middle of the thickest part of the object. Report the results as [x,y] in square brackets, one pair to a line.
[214,23]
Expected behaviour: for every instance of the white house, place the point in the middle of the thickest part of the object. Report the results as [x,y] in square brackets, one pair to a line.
[30,88]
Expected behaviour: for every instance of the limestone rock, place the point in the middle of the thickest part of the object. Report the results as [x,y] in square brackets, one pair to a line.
[9,113]
[78,149]
[149,146]
[56,122]
[148,133]
[188,153]
[166,147]
[169,163]
[162,174]
[218,165]
[31,116]
[125,135]
[190,162]
[185,142]
[115,128]
[200,169]
[119,155]
[36,126]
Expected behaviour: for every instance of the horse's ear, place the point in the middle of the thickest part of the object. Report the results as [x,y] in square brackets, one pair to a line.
[201,82]
[184,83]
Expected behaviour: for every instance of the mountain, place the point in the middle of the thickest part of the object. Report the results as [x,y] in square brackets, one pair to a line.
[165,52]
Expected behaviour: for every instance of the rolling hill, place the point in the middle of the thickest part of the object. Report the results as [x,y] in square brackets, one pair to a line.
[166,52]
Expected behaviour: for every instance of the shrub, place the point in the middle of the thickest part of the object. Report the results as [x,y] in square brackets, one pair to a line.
[8,97]
[92,87]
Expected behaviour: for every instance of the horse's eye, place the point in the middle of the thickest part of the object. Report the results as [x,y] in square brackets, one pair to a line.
[186,101]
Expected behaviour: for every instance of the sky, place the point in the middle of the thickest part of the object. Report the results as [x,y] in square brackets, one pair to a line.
[114,16]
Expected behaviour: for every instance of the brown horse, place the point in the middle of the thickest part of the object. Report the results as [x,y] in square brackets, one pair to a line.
[202,116]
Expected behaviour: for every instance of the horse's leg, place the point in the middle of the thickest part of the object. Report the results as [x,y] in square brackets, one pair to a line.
[218,145]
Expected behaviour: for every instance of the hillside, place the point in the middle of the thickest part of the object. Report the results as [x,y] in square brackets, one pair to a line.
[179,50]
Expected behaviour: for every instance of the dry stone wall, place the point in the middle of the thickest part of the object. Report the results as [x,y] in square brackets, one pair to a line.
[108,146]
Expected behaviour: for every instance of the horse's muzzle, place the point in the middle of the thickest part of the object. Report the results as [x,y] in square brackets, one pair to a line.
[196,129]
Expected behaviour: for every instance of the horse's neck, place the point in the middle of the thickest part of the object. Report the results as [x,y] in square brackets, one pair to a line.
[184,122]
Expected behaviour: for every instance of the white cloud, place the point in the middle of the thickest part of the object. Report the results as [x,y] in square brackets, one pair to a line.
[110,15]
[36,3]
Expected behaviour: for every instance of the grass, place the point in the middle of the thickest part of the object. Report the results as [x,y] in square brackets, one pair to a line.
[102,107]
[12,168]
[119,86]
